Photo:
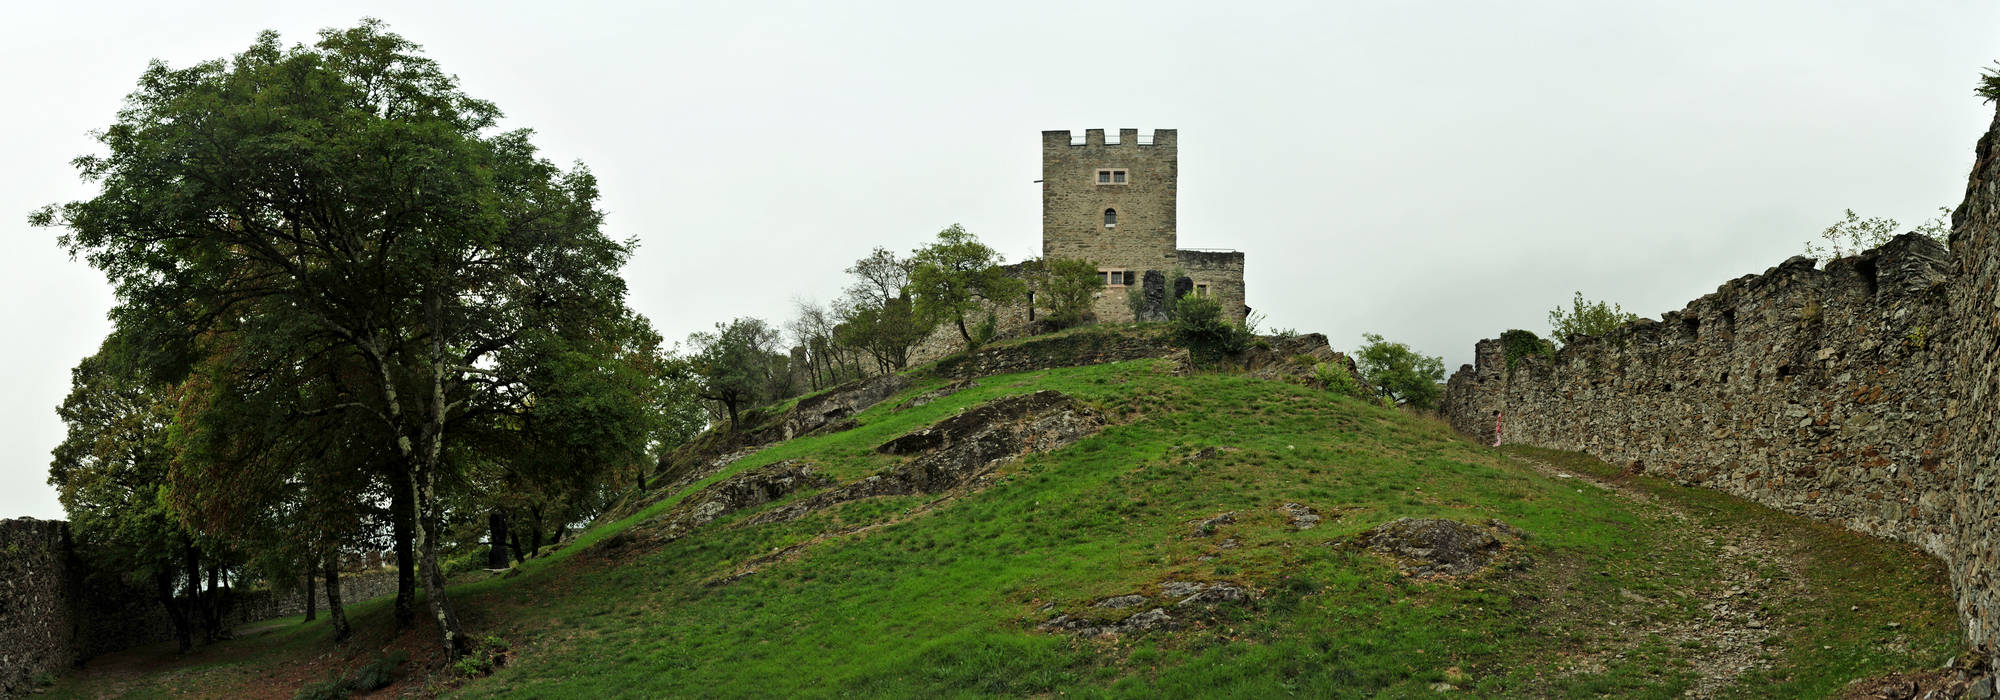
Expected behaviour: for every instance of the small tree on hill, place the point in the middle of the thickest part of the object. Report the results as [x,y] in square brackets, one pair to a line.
[1065,288]
[1400,373]
[951,277]
[1585,317]
[734,363]
[1853,234]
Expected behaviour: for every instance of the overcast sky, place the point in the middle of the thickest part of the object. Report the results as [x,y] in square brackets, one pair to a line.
[1435,172]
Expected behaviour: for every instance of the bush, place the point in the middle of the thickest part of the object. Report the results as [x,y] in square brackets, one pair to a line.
[1519,343]
[1198,325]
[375,675]
[1337,380]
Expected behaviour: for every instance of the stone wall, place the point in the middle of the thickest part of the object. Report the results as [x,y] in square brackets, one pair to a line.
[53,615]
[1222,271]
[1975,368]
[1863,393]
[37,600]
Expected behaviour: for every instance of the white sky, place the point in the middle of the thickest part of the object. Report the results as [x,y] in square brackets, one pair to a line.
[1432,171]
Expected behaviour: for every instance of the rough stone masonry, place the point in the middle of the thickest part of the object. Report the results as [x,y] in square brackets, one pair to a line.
[1866,393]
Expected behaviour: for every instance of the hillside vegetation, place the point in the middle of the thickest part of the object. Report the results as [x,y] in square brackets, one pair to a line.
[1198,487]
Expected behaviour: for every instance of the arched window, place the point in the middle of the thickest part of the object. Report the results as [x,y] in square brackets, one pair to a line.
[1110,218]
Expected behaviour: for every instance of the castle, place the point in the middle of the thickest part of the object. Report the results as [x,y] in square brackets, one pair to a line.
[1114,204]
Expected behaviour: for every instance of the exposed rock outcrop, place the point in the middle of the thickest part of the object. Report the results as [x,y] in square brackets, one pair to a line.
[1431,547]
[959,449]
[746,490]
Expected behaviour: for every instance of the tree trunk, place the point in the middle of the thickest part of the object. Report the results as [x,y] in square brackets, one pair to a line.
[312,599]
[191,561]
[429,531]
[496,528]
[535,530]
[164,582]
[403,519]
[334,608]
[962,333]
[514,542]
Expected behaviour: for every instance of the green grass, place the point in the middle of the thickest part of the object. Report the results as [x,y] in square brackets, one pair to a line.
[944,601]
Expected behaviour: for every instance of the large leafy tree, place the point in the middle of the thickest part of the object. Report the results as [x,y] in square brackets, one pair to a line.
[953,275]
[877,314]
[347,210]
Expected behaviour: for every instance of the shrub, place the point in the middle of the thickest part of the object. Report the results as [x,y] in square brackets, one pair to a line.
[1198,325]
[1519,343]
[1337,380]
[380,672]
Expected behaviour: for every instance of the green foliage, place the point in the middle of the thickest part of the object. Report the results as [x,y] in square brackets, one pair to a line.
[1399,373]
[736,364]
[1989,84]
[1587,318]
[491,653]
[877,315]
[986,329]
[1518,343]
[951,277]
[389,322]
[1337,380]
[1199,326]
[1065,288]
[1853,234]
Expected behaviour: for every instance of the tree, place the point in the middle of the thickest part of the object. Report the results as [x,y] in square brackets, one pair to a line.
[877,314]
[1400,373]
[1584,317]
[735,363]
[343,206]
[1066,287]
[109,472]
[954,275]
[1853,234]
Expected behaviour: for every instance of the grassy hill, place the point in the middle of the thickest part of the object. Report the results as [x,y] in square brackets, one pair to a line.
[1600,583]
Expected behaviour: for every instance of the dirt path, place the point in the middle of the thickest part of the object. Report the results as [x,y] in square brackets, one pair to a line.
[1728,639]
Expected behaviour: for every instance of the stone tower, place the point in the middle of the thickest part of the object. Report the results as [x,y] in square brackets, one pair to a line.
[1114,204]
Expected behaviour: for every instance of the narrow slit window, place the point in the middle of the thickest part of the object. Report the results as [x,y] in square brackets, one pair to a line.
[1110,218]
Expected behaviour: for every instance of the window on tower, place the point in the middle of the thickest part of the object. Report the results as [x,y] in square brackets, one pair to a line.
[1111,176]
[1110,218]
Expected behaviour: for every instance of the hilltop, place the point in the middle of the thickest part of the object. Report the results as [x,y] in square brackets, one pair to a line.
[1085,514]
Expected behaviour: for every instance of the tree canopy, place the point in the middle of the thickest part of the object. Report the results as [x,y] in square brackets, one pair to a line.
[338,234]
[952,276]
[1400,373]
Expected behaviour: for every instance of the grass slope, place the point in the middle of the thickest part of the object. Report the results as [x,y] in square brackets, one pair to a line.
[944,599]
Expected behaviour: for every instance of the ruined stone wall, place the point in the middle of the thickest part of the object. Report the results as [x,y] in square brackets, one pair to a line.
[1073,204]
[1863,393]
[1973,453]
[1222,271]
[38,595]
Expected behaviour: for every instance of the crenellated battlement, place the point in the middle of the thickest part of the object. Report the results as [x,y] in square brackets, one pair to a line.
[1095,138]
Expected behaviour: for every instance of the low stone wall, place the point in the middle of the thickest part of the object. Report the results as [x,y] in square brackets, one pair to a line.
[1863,393]
[53,615]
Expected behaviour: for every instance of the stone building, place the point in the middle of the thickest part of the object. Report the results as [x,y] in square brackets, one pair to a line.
[1115,204]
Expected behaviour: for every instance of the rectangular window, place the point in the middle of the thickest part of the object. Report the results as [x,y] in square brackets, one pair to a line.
[1118,177]
[1111,176]
[1119,278]
[1201,290]
[1104,177]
